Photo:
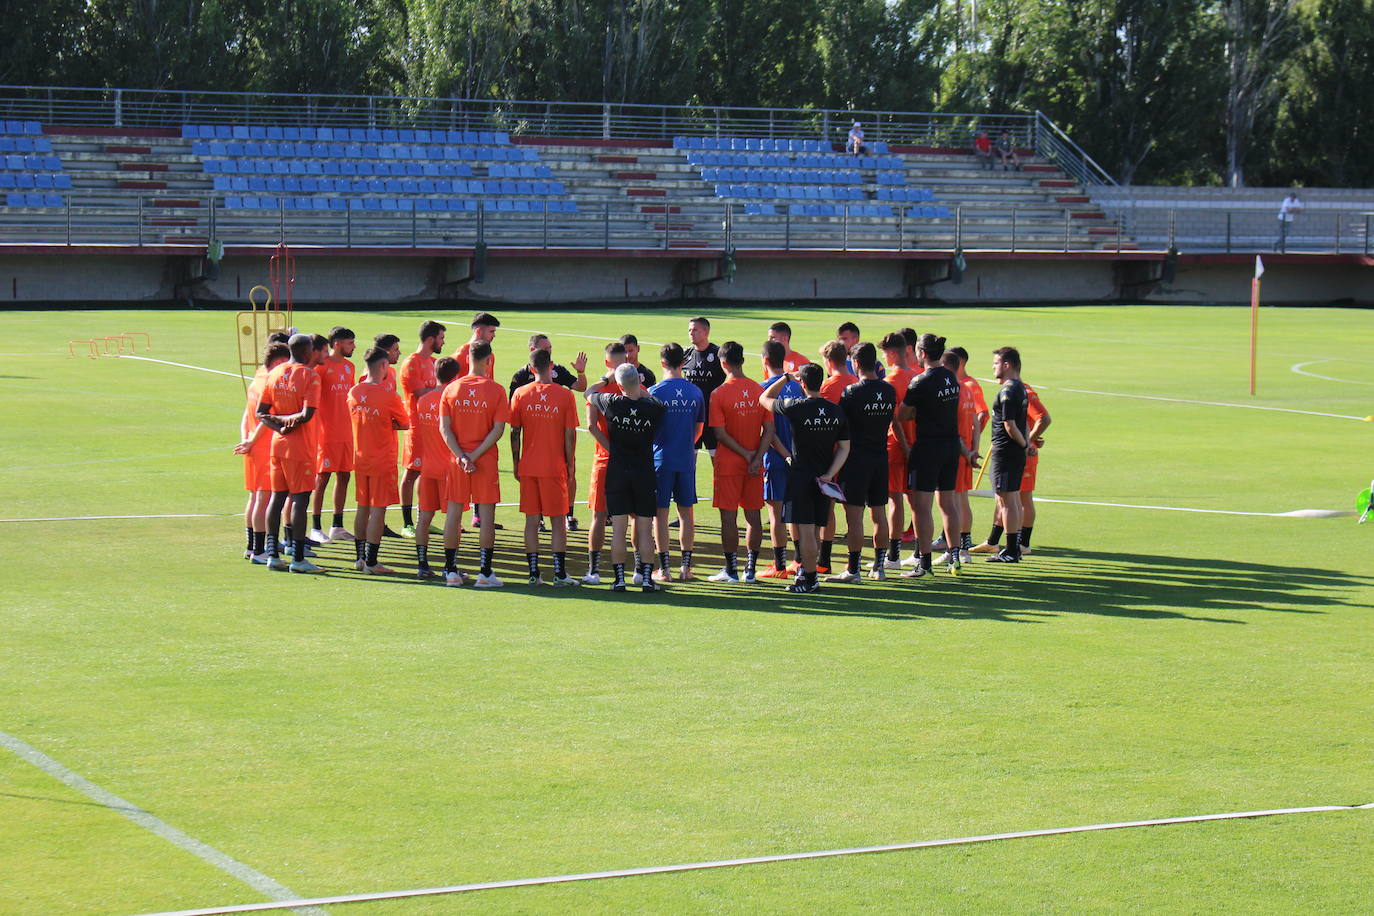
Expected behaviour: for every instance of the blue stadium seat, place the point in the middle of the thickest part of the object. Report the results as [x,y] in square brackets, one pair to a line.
[233,203]
[6,180]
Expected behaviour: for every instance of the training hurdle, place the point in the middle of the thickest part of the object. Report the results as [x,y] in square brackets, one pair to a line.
[111,345]
[93,350]
[147,339]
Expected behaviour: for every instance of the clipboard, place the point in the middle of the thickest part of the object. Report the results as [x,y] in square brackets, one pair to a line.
[831,489]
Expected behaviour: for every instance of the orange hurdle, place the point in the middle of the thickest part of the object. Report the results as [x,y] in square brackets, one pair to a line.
[147,339]
[93,353]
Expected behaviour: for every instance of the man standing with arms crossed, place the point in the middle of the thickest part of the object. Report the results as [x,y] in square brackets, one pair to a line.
[417,377]
[820,445]
[1010,448]
[675,459]
[376,413]
[474,416]
[743,432]
[868,407]
[543,420]
[632,420]
[1039,419]
[290,398]
[337,378]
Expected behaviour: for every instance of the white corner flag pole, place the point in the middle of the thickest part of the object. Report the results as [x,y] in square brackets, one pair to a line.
[1254,318]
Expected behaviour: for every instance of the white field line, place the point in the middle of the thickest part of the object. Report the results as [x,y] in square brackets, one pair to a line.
[149,359]
[509,327]
[1301,369]
[231,866]
[1151,397]
[754,860]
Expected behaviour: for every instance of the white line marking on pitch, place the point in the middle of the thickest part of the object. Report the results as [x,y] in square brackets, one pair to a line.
[231,866]
[1301,369]
[755,860]
[149,359]
[1151,397]
[510,327]
[1296,513]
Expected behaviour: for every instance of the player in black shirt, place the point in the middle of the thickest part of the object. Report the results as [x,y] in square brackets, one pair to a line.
[820,445]
[1010,446]
[632,422]
[646,375]
[561,376]
[932,401]
[702,368]
[868,407]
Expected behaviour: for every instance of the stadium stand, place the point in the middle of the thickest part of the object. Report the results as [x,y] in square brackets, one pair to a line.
[30,175]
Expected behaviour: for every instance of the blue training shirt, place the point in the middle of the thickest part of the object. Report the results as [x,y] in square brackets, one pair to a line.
[781,425]
[675,444]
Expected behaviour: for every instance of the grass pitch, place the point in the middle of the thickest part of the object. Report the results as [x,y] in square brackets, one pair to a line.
[344,734]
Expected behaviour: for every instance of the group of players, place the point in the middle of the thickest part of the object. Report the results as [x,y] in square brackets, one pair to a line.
[885,435]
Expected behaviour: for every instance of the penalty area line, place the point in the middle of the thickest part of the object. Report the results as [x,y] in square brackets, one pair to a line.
[250,876]
[754,860]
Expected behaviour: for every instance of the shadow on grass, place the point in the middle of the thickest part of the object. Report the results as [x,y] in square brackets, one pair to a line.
[1048,584]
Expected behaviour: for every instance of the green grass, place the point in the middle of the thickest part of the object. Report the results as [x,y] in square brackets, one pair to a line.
[345,734]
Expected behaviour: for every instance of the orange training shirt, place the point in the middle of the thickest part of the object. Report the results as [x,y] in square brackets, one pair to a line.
[735,406]
[474,405]
[544,413]
[289,389]
[374,411]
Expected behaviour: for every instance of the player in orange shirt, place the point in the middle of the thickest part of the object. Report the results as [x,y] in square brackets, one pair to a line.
[781,331]
[543,435]
[417,376]
[484,327]
[835,357]
[290,397]
[1038,419]
[255,445]
[433,460]
[335,457]
[900,373]
[376,412]
[744,431]
[475,411]
[596,488]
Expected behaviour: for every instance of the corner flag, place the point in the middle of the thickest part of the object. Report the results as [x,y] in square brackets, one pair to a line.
[1259,267]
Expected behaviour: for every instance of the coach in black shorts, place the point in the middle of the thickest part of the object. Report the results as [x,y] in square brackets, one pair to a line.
[868,407]
[632,421]
[1010,446]
[820,445]
[932,401]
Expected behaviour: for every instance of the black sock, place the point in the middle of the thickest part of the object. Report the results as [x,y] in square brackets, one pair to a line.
[1025,535]
[854,558]
[422,554]
[560,565]
[730,564]
[450,559]
[484,557]
[533,560]
[338,519]
[270,545]
[646,574]
[593,561]
[925,560]
[248,529]
[894,549]
[995,535]
[1013,543]
[879,557]
[619,573]
[751,562]
[407,515]
[259,542]
[360,548]
[663,560]
[826,547]
[298,550]
[370,558]
[966,540]
[780,558]
[315,519]
[687,559]
[638,561]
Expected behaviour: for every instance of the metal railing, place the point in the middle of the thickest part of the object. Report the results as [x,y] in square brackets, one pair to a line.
[1058,148]
[145,108]
[1244,230]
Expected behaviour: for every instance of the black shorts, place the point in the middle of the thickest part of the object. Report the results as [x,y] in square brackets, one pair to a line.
[708,437]
[933,465]
[1007,468]
[864,480]
[806,504]
[631,492]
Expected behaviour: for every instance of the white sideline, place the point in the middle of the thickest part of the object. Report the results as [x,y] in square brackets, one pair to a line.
[149,359]
[755,860]
[1301,369]
[1153,397]
[231,866]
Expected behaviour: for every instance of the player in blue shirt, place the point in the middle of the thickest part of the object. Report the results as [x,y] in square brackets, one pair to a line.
[675,458]
[775,462]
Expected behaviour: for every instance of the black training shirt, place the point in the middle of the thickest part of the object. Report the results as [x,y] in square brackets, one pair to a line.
[934,396]
[525,376]
[703,369]
[646,376]
[868,405]
[631,426]
[817,425]
[1008,407]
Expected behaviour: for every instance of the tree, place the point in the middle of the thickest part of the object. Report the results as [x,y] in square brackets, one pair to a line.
[1258,33]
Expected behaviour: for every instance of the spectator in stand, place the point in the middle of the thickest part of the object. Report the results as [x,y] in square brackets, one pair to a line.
[1291,207]
[856,141]
[1006,152]
[982,149]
